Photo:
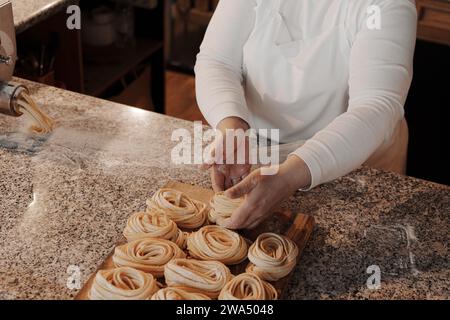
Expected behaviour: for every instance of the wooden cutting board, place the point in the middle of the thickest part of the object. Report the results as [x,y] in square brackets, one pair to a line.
[297,227]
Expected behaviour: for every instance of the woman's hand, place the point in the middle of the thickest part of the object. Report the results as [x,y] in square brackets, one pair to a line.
[224,176]
[264,193]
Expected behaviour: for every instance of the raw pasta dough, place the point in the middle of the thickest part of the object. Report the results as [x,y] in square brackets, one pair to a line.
[154,224]
[149,255]
[42,123]
[185,212]
[178,293]
[272,256]
[217,243]
[123,284]
[206,277]
[248,286]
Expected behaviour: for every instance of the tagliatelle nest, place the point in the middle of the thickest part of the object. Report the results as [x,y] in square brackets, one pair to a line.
[206,277]
[185,212]
[217,244]
[178,293]
[272,256]
[149,255]
[154,224]
[123,284]
[248,286]
[222,208]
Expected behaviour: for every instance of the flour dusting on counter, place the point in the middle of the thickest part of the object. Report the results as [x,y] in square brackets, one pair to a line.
[406,237]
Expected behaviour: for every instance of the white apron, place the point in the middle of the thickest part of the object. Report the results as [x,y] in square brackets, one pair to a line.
[290,76]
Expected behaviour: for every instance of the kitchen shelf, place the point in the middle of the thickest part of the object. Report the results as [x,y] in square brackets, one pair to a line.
[99,76]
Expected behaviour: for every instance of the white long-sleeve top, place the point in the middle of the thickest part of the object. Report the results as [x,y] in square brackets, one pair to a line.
[317,70]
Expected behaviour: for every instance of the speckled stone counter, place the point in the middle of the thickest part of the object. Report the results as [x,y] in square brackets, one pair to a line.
[29,12]
[64,201]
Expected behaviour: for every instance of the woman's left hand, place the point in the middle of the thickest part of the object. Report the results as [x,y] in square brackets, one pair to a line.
[264,193]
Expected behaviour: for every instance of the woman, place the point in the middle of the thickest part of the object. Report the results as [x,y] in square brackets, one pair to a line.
[332,73]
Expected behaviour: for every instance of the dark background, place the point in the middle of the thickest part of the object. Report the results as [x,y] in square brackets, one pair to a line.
[427,113]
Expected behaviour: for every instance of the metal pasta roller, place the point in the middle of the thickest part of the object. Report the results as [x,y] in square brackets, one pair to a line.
[9,91]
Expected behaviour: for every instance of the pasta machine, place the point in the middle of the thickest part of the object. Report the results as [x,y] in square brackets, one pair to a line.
[9,91]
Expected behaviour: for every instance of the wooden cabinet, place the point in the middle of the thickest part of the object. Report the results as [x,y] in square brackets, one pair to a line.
[434,21]
[98,71]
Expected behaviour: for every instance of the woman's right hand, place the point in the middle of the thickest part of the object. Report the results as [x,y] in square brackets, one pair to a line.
[223,175]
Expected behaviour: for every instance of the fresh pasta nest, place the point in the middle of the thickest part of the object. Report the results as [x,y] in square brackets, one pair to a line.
[185,212]
[123,284]
[222,208]
[148,254]
[154,224]
[272,256]
[206,277]
[217,243]
[178,293]
[248,286]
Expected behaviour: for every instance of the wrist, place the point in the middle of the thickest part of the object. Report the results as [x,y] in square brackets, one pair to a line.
[297,173]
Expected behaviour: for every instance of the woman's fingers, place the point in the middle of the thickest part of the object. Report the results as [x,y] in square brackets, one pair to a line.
[259,216]
[209,160]
[254,224]
[248,215]
[217,179]
[246,174]
[205,166]
[244,187]
[256,208]
[239,218]
[228,182]
[249,211]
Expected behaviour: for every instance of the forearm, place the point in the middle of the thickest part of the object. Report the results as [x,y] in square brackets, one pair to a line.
[348,142]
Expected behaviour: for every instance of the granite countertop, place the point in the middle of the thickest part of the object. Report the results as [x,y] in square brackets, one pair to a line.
[64,201]
[29,12]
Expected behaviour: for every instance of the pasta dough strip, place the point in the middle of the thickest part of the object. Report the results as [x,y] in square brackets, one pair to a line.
[42,123]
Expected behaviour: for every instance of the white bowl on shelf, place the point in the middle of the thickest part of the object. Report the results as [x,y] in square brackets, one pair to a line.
[98,29]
